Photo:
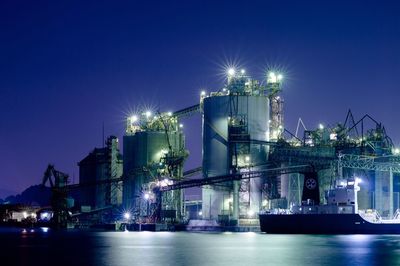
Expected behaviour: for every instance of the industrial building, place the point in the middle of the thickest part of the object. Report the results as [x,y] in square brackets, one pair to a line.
[250,160]
[101,164]
[154,154]
[235,135]
[244,134]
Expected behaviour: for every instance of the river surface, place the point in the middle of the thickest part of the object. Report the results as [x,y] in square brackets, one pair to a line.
[48,247]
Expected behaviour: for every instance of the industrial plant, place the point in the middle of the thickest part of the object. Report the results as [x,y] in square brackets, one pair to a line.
[250,163]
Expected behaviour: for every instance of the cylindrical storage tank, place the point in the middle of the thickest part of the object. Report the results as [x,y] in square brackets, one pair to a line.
[144,149]
[217,110]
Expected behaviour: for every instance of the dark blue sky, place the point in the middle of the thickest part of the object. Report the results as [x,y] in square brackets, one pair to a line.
[68,66]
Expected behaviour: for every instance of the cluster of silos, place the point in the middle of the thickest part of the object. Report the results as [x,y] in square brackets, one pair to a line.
[146,145]
[235,122]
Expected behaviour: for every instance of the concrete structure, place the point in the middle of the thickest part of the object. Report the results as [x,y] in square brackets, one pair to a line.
[100,165]
[154,152]
[235,132]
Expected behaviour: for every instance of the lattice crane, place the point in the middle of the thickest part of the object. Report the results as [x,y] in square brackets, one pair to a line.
[58,183]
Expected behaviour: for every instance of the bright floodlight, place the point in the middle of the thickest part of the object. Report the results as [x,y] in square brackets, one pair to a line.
[274,78]
[169,113]
[250,213]
[231,71]
[203,93]
[396,151]
[133,119]
[247,158]
[200,213]
[358,180]
[148,114]
[146,196]
[127,215]
[242,71]
[321,126]
[181,125]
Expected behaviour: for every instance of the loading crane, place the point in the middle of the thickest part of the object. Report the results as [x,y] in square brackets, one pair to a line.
[58,182]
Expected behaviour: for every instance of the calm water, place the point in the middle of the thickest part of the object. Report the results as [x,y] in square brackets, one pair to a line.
[167,248]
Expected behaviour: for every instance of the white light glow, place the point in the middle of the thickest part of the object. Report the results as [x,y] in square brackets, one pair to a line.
[165,182]
[250,213]
[133,119]
[231,71]
[181,125]
[148,114]
[202,93]
[321,126]
[169,113]
[274,78]
[127,215]
[146,196]
[200,213]
[242,71]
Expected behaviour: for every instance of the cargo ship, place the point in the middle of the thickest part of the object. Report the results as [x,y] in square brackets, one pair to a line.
[339,216]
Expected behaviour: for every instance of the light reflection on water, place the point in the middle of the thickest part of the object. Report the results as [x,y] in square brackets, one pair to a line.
[169,248]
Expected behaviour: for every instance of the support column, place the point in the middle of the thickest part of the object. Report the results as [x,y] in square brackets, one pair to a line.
[294,190]
[391,193]
[235,202]
[384,193]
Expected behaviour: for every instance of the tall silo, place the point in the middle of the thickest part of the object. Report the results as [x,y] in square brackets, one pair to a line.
[235,129]
[149,143]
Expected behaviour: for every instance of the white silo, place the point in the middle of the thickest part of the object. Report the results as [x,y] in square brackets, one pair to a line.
[235,129]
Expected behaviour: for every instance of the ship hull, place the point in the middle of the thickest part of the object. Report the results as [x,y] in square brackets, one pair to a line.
[323,224]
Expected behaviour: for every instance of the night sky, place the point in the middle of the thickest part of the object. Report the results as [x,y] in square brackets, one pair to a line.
[67,67]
